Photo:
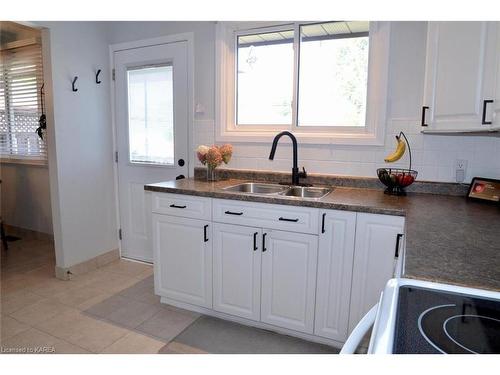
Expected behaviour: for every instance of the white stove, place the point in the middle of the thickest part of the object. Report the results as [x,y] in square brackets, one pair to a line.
[422,317]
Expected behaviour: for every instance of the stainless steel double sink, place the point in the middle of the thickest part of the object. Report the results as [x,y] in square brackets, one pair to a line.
[259,188]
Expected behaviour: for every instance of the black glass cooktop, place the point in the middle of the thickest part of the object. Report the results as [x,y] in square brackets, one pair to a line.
[429,321]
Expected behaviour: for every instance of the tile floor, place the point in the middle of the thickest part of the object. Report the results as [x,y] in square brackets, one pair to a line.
[110,310]
[40,313]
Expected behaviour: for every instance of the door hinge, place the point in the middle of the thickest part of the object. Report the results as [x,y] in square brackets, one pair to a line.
[113,74]
[116,156]
[119,234]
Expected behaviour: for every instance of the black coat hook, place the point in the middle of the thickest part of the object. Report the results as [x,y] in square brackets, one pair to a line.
[97,76]
[73,84]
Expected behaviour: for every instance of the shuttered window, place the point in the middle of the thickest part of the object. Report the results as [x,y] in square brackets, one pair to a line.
[21,77]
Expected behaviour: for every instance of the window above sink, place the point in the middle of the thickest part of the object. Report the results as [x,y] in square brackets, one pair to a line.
[324,81]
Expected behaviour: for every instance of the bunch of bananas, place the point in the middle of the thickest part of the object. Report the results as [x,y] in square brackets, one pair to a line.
[399,152]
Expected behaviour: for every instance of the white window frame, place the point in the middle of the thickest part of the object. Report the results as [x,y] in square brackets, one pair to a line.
[226,130]
[41,158]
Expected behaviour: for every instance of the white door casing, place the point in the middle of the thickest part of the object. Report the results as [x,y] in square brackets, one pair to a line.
[236,273]
[335,260]
[134,203]
[183,259]
[289,279]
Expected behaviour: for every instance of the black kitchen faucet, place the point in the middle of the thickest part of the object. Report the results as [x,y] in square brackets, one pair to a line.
[296,175]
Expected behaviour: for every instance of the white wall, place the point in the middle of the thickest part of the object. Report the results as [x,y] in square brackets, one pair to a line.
[25,197]
[80,141]
[433,156]
[204,45]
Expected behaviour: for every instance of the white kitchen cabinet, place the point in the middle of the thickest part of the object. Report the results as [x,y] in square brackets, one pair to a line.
[183,259]
[313,275]
[495,117]
[378,239]
[461,70]
[236,270]
[289,263]
[335,259]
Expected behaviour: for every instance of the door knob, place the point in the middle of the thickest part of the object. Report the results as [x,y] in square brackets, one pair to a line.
[181,162]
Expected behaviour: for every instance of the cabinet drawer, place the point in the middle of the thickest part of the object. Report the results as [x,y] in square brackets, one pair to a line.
[263,215]
[182,205]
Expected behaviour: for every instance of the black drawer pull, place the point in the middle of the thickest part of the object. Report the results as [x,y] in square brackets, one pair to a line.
[233,213]
[485,104]
[255,241]
[323,224]
[205,239]
[285,219]
[175,206]
[264,242]
[398,240]
[424,109]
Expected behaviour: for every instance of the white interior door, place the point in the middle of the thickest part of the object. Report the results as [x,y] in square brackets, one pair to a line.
[151,94]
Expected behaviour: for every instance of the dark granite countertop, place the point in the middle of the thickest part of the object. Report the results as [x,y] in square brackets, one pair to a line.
[448,239]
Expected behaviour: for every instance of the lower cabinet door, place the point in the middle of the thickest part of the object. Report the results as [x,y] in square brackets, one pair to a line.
[183,259]
[378,240]
[335,258]
[236,270]
[289,279]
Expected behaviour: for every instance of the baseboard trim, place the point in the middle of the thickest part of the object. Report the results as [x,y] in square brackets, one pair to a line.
[66,273]
[27,233]
[252,323]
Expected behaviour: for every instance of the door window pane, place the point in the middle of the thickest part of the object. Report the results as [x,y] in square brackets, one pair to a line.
[333,75]
[151,115]
[265,79]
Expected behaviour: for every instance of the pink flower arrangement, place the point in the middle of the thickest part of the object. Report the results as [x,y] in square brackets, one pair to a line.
[215,155]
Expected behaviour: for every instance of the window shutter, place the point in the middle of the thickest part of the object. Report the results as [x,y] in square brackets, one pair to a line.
[20,108]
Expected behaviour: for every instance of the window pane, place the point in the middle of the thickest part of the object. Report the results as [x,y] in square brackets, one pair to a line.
[333,74]
[265,79]
[151,115]
[20,108]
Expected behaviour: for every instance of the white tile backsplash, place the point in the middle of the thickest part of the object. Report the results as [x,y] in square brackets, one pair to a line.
[432,156]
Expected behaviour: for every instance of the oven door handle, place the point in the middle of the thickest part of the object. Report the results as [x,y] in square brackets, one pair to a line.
[360,331]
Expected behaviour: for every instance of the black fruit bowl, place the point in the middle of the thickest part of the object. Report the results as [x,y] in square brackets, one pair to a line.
[396,179]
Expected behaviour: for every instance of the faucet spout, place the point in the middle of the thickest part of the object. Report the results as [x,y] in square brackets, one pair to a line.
[295,169]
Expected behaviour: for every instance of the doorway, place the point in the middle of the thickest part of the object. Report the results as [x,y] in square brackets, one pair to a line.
[152,130]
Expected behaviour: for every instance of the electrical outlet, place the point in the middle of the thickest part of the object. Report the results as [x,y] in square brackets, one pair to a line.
[460,170]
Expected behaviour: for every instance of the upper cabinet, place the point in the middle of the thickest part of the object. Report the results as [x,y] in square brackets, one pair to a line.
[461,90]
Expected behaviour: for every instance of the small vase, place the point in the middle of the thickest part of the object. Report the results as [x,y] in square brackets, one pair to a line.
[211,175]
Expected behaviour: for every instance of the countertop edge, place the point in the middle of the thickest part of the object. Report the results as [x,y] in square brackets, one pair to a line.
[277,200]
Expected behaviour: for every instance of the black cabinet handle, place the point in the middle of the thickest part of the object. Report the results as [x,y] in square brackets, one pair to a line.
[323,223]
[264,242]
[285,219]
[255,241]
[424,109]
[175,206]
[485,104]
[398,240]
[233,213]
[205,239]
